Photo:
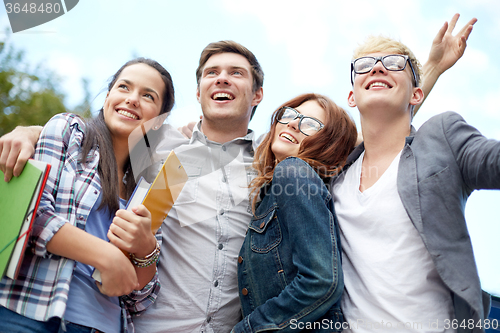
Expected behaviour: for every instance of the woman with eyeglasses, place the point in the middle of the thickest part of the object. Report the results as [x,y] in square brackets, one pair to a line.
[289,273]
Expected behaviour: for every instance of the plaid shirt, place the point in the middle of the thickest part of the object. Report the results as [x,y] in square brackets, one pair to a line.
[41,289]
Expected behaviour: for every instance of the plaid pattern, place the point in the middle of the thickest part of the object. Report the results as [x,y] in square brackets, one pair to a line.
[41,290]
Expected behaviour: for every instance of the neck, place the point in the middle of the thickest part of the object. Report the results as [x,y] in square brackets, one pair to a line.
[222,132]
[384,136]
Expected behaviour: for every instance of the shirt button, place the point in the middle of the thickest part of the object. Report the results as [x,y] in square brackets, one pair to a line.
[216,283]
[221,212]
[95,192]
[221,246]
[244,291]
[223,148]
[208,319]
[240,259]
[80,217]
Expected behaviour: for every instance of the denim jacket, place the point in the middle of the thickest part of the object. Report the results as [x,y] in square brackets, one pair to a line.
[289,274]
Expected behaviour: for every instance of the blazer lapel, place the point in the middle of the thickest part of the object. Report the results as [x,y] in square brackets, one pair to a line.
[408,185]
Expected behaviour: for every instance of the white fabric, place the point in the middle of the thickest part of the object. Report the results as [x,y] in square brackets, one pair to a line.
[390,279]
[203,236]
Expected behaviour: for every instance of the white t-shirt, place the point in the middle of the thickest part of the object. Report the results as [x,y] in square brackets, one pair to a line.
[391,282]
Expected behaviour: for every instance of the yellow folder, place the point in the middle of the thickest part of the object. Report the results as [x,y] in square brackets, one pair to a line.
[160,196]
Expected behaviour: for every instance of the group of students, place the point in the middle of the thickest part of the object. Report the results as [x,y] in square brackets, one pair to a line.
[302,232]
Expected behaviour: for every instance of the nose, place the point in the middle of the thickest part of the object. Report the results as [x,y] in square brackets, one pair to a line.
[133,99]
[223,78]
[378,67]
[294,124]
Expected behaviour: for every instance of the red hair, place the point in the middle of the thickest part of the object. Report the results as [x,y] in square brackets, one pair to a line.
[325,151]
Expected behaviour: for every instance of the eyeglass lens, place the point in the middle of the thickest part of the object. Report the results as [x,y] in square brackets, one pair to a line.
[391,62]
[307,125]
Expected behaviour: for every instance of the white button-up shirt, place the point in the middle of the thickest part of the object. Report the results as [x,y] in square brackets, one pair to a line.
[202,237]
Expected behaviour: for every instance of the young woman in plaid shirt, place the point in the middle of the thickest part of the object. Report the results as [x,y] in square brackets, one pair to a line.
[89,181]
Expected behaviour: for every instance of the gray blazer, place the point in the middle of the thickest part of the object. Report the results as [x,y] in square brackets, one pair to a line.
[440,165]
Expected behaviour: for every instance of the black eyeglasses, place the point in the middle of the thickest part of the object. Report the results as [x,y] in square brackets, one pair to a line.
[307,125]
[391,62]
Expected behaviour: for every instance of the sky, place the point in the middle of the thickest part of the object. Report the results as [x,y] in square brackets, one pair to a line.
[303,46]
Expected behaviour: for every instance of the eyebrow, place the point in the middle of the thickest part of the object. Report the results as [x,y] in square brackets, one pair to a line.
[151,90]
[230,67]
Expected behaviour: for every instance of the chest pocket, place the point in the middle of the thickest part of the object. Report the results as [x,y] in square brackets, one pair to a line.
[190,190]
[265,231]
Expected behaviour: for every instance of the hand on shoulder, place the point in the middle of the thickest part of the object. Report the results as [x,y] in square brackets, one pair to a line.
[16,148]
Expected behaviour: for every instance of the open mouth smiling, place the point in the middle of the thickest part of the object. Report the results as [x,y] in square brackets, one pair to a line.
[222,96]
[378,84]
[127,114]
[288,137]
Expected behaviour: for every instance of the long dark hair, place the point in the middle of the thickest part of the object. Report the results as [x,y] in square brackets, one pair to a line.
[326,151]
[97,134]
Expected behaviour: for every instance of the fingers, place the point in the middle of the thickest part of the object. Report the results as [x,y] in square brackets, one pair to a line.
[15,150]
[5,166]
[467,26]
[117,290]
[142,211]
[453,22]
[13,158]
[22,158]
[187,130]
[441,33]
[468,30]
[131,231]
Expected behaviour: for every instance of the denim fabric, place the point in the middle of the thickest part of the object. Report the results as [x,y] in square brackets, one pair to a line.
[13,322]
[289,273]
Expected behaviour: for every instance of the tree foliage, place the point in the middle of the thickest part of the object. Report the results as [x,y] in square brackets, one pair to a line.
[29,95]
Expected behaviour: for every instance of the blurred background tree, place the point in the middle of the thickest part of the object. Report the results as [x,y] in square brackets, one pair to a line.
[30,95]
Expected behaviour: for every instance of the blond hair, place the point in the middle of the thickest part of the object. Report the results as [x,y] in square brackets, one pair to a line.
[374,44]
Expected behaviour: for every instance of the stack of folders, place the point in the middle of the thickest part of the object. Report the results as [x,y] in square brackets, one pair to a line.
[19,200]
[159,196]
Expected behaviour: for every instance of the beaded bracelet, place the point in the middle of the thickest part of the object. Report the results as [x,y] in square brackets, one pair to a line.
[148,260]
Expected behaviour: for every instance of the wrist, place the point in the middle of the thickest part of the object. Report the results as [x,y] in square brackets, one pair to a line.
[145,250]
[105,255]
[148,260]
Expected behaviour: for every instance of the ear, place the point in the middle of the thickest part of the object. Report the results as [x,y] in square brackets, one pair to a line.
[417,97]
[350,99]
[198,94]
[258,96]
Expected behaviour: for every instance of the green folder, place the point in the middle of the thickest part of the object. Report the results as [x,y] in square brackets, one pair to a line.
[15,198]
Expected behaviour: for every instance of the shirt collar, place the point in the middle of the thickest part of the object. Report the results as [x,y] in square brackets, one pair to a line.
[199,136]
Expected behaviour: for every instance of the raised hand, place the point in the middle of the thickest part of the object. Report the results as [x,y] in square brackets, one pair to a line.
[447,49]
